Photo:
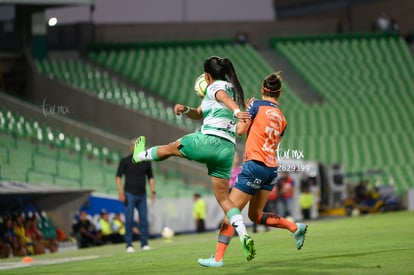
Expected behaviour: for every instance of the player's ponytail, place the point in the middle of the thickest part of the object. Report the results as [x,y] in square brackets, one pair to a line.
[219,68]
[231,72]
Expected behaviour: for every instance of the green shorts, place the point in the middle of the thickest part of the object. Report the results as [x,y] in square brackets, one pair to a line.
[216,152]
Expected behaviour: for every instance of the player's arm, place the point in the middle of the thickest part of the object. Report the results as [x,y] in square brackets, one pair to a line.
[223,97]
[193,113]
[243,126]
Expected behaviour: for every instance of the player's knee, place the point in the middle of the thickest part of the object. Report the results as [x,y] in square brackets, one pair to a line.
[173,149]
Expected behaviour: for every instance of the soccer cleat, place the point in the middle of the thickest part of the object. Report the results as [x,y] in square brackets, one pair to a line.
[210,262]
[138,148]
[300,234]
[130,249]
[248,247]
[146,247]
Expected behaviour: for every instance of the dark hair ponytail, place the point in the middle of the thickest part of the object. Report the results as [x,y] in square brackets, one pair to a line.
[219,68]
[231,72]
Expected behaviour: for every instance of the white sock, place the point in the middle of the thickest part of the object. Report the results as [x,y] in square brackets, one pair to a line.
[238,224]
[147,154]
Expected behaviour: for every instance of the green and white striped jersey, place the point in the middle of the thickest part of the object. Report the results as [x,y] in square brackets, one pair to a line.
[218,119]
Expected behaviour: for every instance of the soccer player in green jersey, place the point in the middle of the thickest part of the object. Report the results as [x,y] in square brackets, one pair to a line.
[215,144]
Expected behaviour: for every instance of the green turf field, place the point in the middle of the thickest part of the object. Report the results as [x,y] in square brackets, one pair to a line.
[373,244]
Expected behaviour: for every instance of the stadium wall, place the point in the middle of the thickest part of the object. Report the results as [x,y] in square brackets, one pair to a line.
[78,36]
[258,32]
[361,13]
[144,11]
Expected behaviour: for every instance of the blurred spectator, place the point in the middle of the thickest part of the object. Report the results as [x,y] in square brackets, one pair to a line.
[20,233]
[105,226]
[85,232]
[108,236]
[361,191]
[34,233]
[12,239]
[199,213]
[48,231]
[306,202]
[383,23]
[286,186]
[118,225]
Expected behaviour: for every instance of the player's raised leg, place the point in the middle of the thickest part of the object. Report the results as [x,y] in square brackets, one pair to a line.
[155,153]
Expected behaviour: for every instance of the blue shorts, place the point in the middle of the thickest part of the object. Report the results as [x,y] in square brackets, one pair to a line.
[256,176]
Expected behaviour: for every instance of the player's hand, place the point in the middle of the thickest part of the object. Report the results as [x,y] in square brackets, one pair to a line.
[249,101]
[179,109]
[243,116]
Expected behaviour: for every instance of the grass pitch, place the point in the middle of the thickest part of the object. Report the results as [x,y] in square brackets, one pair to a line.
[371,244]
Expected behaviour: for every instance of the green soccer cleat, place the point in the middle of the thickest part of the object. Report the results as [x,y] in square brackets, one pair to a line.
[138,148]
[248,247]
[210,262]
[300,234]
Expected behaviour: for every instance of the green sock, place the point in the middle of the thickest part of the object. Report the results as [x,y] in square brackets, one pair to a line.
[154,153]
